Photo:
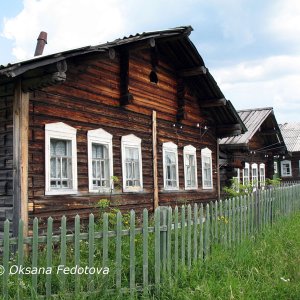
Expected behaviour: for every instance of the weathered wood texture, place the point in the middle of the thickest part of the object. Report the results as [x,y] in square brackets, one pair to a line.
[295,162]
[6,159]
[90,99]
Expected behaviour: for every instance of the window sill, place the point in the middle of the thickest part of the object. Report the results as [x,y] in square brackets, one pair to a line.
[61,192]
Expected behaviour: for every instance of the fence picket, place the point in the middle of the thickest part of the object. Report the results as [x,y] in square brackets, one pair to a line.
[157,247]
[201,231]
[195,234]
[6,251]
[35,236]
[182,230]
[132,253]
[91,285]
[119,251]
[169,240]
[189,236]
[49,256]
[77,252]
[207,232]
[176,243]
[145,252]
[63,250]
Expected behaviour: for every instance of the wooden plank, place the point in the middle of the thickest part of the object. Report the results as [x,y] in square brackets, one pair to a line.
[145,253]
[157,258]
[35,256]
[49,256]
[6,252]
[119,251]
[176,256]
[132,258]
[195,71]
[154,153]
[77,253]
[20,155]
[63,250]
[91,285]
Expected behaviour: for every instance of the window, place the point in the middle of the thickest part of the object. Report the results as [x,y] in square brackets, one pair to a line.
[190,167]
[132,163]
[254,175]
[286,168]
[207,180]
[60,159]
[275,167]
[236,179]
[262,174]
[246,175]
[100,162]
[170,166]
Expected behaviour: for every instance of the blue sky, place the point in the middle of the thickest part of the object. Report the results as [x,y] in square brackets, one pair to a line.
[252,48]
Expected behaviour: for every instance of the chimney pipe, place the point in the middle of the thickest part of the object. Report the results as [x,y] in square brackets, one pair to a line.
[41,42]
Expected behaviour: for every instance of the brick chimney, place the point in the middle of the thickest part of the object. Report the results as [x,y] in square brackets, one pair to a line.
[41,42]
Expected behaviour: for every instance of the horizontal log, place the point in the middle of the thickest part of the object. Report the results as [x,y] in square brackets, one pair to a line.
[201,70]
[213,103]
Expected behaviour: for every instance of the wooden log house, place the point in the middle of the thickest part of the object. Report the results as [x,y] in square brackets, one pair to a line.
[289,164]
[135,121]
[252,157]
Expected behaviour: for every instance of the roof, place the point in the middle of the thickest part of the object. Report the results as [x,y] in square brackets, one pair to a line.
[172,43]
[291,136]
[253,119]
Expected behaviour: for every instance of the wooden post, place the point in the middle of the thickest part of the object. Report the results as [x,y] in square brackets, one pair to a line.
[218,170]
[20,157]
[154,150]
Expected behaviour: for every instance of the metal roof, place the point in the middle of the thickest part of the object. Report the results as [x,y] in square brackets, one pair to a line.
[172,43]
[253,119]
[291,136]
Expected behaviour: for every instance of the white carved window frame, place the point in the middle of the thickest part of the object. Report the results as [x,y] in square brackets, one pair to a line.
[190,150]
[65,132]
[132,141]
[101,137]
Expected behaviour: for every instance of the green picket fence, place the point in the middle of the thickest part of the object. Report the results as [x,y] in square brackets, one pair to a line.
[138,254]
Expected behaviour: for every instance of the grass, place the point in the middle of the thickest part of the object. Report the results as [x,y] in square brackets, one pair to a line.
[265,267]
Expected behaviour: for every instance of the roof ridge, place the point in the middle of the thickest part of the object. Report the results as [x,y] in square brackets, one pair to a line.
[256,109]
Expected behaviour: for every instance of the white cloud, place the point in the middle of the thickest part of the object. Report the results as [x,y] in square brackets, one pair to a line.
[69,24]
[284,21]
[259,70]
[270,82]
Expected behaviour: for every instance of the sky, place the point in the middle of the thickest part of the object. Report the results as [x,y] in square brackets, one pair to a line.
[251,47]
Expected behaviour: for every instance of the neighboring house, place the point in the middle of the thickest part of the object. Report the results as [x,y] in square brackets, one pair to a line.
[289,166]
[251,157]
[143,109]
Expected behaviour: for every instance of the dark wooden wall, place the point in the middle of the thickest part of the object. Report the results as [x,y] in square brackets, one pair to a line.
[89,99]
[6,159]
[294,158]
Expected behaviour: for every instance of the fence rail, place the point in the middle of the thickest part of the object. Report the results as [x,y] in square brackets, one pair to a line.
[130,258]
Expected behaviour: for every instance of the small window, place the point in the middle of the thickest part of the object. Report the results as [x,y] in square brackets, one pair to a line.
[190,167]
[100,160]
[286,168]
[254,175]
[262,174]
[170,166]
[246,175]
[275,167]
[206,158]
[132,163]
[60,159]
[236,180]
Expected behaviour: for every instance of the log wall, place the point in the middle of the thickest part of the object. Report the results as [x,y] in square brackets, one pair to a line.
[89,99]
[6,159]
